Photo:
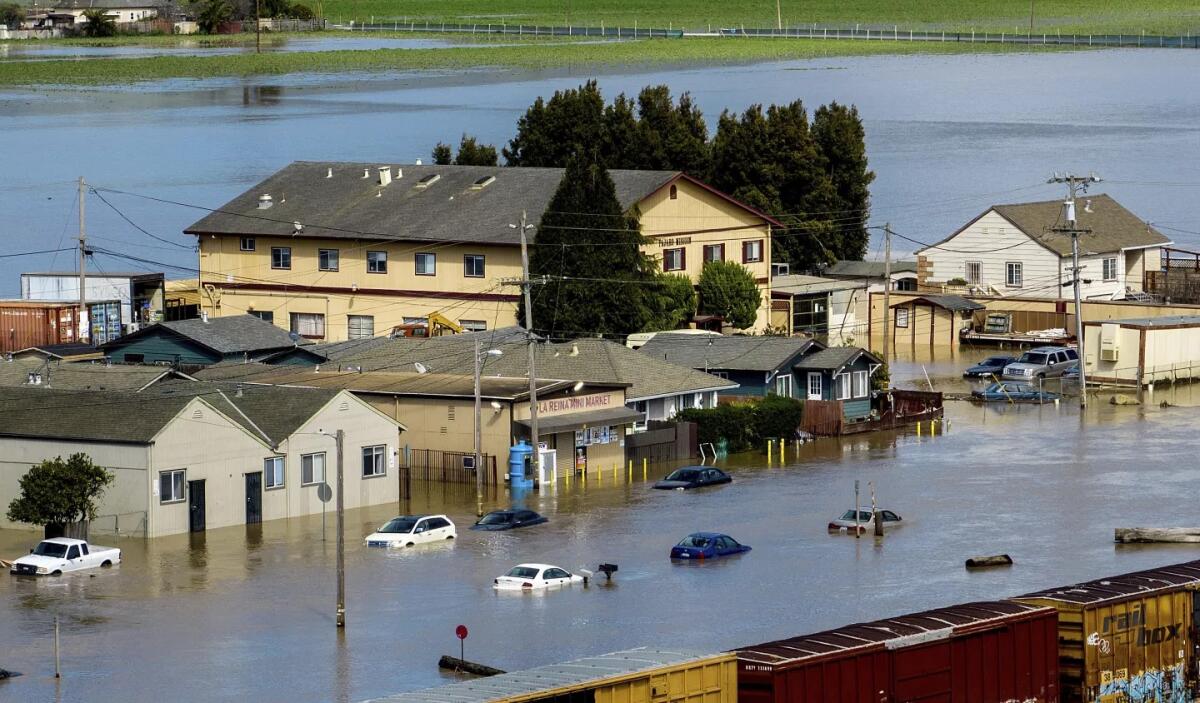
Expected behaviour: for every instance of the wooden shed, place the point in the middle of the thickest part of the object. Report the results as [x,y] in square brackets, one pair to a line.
[935,320]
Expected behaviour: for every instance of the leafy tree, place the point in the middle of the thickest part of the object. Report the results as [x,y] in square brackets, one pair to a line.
[272,8]
[672,302]
[12,15]
[839,134]
[98,24]
[442,154]
[212,14]
[472,153]
[599,281]
[881,380]
[57,492]
[550,133]
[728,290]
[777,416]
[301,12]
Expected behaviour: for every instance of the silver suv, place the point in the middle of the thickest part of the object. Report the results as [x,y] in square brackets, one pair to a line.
[1041,362]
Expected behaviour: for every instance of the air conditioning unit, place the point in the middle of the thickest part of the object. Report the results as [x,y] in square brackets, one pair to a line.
[1110,354]
[1110,337]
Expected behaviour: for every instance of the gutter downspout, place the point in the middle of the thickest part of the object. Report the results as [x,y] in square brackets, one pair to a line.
[151,477]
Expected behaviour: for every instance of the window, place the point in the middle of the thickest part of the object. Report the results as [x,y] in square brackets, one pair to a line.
[902,317]
[1110,269]
[714,252]
[373,461]
[905,284]
[1013,274]
[170,486]
[473,265]
[312,468]
[474,325]
[426,264]
[973,272]
[327,259]
[841,385]
[814,386]
[752,251]
[134,358]
[376,262]
[1072,355]
[360,326]
[247,244]
[810,315]
[674,192]
[281,257]
[308,324]
[719,374]
[860,384]
[783,385]
[264,315]
[73,552]
[674,259]
[273,472]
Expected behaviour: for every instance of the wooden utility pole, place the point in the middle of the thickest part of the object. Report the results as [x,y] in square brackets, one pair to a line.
[778,15]
[1031,17]
[478,420]
[1074,185]
[82,323]
[887,289]
[258,26]
[533,407]
[341,529]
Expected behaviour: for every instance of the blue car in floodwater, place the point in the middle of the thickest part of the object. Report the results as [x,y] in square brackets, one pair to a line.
[1011,392]
[991,366]
[707,545]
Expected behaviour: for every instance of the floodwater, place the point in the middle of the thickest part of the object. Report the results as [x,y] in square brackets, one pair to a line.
[947,136]
[247,613]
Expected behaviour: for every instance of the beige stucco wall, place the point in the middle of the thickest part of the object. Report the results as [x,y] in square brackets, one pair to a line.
[448,424]
[1170,354]
[123,503]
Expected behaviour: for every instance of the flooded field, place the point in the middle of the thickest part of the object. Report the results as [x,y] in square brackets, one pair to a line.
[247,613]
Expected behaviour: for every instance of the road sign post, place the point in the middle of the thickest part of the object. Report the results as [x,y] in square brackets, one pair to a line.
[461,633]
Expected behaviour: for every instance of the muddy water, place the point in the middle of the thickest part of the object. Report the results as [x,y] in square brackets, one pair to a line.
[247,613]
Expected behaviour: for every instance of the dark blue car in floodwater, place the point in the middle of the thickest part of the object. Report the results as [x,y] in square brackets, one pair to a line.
[707,545]
[1011,392]
[991,366]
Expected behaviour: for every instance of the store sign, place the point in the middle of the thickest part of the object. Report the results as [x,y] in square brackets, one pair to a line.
[674,241]
[575,403]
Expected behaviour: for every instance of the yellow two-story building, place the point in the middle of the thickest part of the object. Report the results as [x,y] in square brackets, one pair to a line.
[337,251]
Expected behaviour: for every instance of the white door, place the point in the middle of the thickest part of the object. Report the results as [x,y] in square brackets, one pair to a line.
[814,386]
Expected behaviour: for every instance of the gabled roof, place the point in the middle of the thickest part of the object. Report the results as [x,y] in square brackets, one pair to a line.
[953,303]
[223,335]
[834,359]
[734,353]
[461,205]
[105,416]
[82,376]
[69,350]
[1113,228]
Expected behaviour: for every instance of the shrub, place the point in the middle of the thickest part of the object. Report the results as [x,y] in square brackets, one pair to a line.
[746,425]
[58,492]
[957,282]
[777,416]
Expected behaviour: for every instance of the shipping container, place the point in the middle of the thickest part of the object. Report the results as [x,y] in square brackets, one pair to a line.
[633,676]
[1128,638]
[991,652]
[27,324]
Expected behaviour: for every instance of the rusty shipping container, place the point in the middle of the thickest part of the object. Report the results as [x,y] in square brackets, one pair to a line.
[31,324]
[990,652]
[1128,638]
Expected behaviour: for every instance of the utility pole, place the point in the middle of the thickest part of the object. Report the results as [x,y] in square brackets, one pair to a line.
[258,26]
[1075,184]
[778,16]
[887,289]
[478,457]
[533,402]
[341,530]
[84,332]
[1031,17]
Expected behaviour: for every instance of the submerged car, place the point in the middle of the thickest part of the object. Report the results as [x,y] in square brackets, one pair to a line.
[508,520]
[866,522]
[991,366]
[411,530]
[1041,362]
[529,577]
[59,555]
[1010,392]
[707,545]
[693,477]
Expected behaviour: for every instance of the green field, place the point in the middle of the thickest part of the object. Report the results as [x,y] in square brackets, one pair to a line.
[1067,16]
[579,55]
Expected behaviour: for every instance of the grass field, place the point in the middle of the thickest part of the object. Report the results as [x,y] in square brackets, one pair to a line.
[109,71]
[1068,16]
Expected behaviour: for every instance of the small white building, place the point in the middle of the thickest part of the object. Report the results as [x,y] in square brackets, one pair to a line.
[118,303]
[1018,251]
[122,11]
[1142,351]
[828,309]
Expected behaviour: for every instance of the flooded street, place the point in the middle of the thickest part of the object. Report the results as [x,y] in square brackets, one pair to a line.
[247,613]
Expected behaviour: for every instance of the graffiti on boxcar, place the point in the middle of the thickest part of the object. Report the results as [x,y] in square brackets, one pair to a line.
[1095,640]
[1150,686]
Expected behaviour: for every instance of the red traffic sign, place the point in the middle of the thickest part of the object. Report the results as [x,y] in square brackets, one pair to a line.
[461,632]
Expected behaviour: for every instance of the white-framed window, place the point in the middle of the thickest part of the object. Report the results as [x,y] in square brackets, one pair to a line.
[783,385]
[273,472]
[860,384]
[815,386]
[1014,275]
[171,486]
[246,244]
[752,251]
[902,317]
[474,325]
[360,326]
[312,468]
[974,272]
[714,252]
[281,257]
[376,262]
[674,259]
[841,385]
[374,460]
[473,265]
[310,325]
[719,374]
[1110,269]
[426,264]
[327,259]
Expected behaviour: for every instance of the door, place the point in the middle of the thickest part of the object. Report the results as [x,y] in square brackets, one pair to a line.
[815,386]
[196,506]
[254,498]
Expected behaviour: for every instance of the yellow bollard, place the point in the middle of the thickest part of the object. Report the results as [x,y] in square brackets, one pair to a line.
[782,451]
[770,450]
[918,428]
[645,467]
[614,473]
[933,427]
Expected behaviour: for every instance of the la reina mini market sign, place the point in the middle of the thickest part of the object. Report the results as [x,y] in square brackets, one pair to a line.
[575,404]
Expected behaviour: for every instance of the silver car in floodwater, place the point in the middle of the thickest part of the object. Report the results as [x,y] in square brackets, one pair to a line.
[1041,362]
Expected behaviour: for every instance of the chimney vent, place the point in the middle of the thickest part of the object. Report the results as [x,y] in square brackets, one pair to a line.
[385,175]
[329,173]
[265,201]
[366,173]
[399,173]
[418,162]
[204,316]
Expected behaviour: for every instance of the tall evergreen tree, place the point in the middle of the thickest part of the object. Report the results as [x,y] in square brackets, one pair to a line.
[806,193]
[839,134]
[672,302]
[742,164]
[620,142]
[550,133]
[472,153]
[672,138]
[442,154]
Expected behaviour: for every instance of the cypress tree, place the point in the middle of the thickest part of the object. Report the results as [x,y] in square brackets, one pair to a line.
[472,153]
[839,134]
[551,132]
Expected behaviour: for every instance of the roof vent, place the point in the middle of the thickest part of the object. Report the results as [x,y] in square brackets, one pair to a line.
[329,173]
[428,181]
[197,414]
[366,173]
[203,316]
[265,201]
[399,173]
[385,175]
[418,162]
[34,379]
[482,183]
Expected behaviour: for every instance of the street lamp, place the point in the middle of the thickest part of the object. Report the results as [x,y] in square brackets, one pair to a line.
[479,358]
[340,438]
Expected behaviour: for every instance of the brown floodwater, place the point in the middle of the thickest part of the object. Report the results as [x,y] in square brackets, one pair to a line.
[248,613]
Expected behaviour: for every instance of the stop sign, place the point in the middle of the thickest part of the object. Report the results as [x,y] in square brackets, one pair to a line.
[461,632]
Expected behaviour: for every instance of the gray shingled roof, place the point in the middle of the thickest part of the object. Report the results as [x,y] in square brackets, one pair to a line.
[353,207]
[85,415]
[834,359]
[735,353]
[954,303]
[80,376]
[868,269]
[225,335]
[276,410]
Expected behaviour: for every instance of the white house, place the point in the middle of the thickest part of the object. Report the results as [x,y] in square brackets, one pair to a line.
[1017,251]
[121,11]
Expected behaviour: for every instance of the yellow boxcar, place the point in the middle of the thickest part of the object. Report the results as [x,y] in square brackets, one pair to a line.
[1128,638]
[633,676]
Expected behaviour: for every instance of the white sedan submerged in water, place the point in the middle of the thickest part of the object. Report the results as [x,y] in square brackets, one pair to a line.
[530,577]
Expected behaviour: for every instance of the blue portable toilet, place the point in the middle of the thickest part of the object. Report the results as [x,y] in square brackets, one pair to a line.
[519,457]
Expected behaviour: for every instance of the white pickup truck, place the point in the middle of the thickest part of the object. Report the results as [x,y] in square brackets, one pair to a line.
[59,555]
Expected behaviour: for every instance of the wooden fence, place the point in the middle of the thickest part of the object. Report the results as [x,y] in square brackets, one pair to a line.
[823,418]
[447,467]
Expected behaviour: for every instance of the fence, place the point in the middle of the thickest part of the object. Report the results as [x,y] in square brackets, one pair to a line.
[527,30]
[446,467]
[662,441]
[822,418]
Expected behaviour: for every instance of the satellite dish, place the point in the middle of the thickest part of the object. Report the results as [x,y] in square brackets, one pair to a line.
[421,368]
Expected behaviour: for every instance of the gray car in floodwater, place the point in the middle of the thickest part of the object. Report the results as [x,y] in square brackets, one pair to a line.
[1041,362]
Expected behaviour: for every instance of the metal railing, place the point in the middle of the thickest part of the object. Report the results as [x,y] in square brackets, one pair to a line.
[447,467]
